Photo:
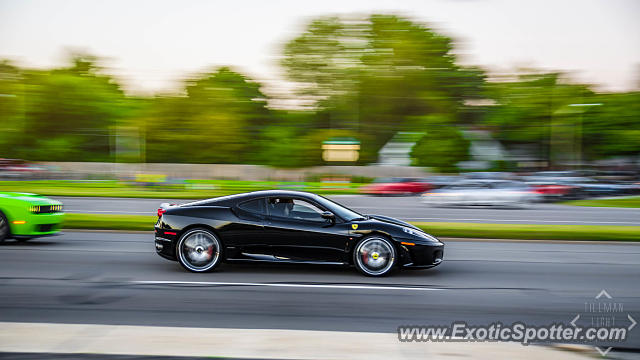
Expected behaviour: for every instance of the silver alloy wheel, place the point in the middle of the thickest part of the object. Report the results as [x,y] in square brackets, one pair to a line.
[375,256]
[199,250]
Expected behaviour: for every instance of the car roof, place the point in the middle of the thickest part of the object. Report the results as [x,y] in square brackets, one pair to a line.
[230,200]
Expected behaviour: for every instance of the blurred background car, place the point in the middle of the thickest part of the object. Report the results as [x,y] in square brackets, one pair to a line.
[20,169]
[396,186]
[482,192]
[438,181]
[578,187]
[551,190]
[495,175]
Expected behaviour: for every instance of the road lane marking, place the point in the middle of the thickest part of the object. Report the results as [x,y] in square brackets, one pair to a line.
[319,286]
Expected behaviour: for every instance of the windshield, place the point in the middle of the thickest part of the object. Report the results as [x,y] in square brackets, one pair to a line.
[339,210]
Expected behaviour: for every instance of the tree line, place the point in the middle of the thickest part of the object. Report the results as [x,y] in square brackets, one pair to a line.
[365,78]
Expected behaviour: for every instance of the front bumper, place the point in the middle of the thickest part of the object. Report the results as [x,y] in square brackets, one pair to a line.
[421,255]
[37,225]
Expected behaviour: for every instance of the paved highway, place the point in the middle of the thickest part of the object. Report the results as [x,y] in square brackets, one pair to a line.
[116,278]
[406,208]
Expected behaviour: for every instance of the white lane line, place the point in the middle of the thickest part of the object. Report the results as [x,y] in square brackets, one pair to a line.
[319,286]
[529,220]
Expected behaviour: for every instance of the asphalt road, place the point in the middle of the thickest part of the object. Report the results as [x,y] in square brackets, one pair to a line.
[405,208]
[116,278]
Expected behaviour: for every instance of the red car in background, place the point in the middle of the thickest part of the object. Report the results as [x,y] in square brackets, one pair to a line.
[19,169]
[396,186]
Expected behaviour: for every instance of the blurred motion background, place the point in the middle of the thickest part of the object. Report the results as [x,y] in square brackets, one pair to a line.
[330,94]
[458,102]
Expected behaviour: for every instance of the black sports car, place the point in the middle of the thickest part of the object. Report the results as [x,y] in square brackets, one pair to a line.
[289,226]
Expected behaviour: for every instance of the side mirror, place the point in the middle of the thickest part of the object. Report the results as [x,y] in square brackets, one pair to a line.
[329,216]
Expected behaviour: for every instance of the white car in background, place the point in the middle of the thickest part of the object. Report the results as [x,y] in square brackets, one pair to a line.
[483,192]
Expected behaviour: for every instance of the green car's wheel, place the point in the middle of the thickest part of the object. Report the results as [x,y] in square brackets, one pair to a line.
[4,227]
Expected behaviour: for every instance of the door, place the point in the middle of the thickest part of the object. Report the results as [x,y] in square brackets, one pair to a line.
[247,234]
[297,231]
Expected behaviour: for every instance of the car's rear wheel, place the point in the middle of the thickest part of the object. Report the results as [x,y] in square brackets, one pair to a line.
[199,250]
[375,256]
[4,227]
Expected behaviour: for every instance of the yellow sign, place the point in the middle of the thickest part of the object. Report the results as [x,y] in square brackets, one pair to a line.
[354,226]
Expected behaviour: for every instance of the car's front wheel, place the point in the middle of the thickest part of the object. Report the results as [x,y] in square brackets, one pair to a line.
[199,250]
[375,256]
[4,227]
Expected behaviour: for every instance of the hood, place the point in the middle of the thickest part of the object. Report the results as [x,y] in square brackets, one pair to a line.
[28,197]
[392,221]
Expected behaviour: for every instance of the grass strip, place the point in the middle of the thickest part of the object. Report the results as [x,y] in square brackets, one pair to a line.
[532,231]
[109,222]
[459,230]
[626,202]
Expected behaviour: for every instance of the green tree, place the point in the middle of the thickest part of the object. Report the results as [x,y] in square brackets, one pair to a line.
[612,128]
[67,113]
[561,119]
[374,75]
[442,147]
[221,119]
[11,105]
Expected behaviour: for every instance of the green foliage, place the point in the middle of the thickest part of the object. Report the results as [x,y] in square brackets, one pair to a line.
[373,75]
[367,78]
[612,129]
[623,202]
[64,114]
[289,148]
[221,119]
[442,147]
[539,109]
[11,104]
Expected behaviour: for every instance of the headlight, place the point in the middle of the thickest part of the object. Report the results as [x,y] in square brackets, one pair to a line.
[417,233]
[45,209]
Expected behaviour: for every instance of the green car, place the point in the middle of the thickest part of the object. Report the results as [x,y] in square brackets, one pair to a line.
[24,216]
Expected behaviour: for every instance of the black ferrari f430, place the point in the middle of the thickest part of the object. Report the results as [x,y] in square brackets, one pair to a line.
[292,227]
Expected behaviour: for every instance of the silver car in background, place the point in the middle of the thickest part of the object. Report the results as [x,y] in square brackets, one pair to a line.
[483,192]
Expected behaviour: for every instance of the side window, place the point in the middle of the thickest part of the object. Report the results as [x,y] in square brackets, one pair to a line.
[296,209]
[255,206]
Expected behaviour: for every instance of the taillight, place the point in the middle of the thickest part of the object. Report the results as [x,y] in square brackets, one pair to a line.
[161,211]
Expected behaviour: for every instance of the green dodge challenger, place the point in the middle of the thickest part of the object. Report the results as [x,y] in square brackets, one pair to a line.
[24,216]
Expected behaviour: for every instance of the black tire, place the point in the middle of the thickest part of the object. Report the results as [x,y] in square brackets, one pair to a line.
[4,227]
[375,255]
[199,250]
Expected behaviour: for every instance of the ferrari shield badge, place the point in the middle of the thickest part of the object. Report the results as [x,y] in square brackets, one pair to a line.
[354,226]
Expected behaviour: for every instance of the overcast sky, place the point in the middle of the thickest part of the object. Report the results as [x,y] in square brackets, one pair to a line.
[153,44]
